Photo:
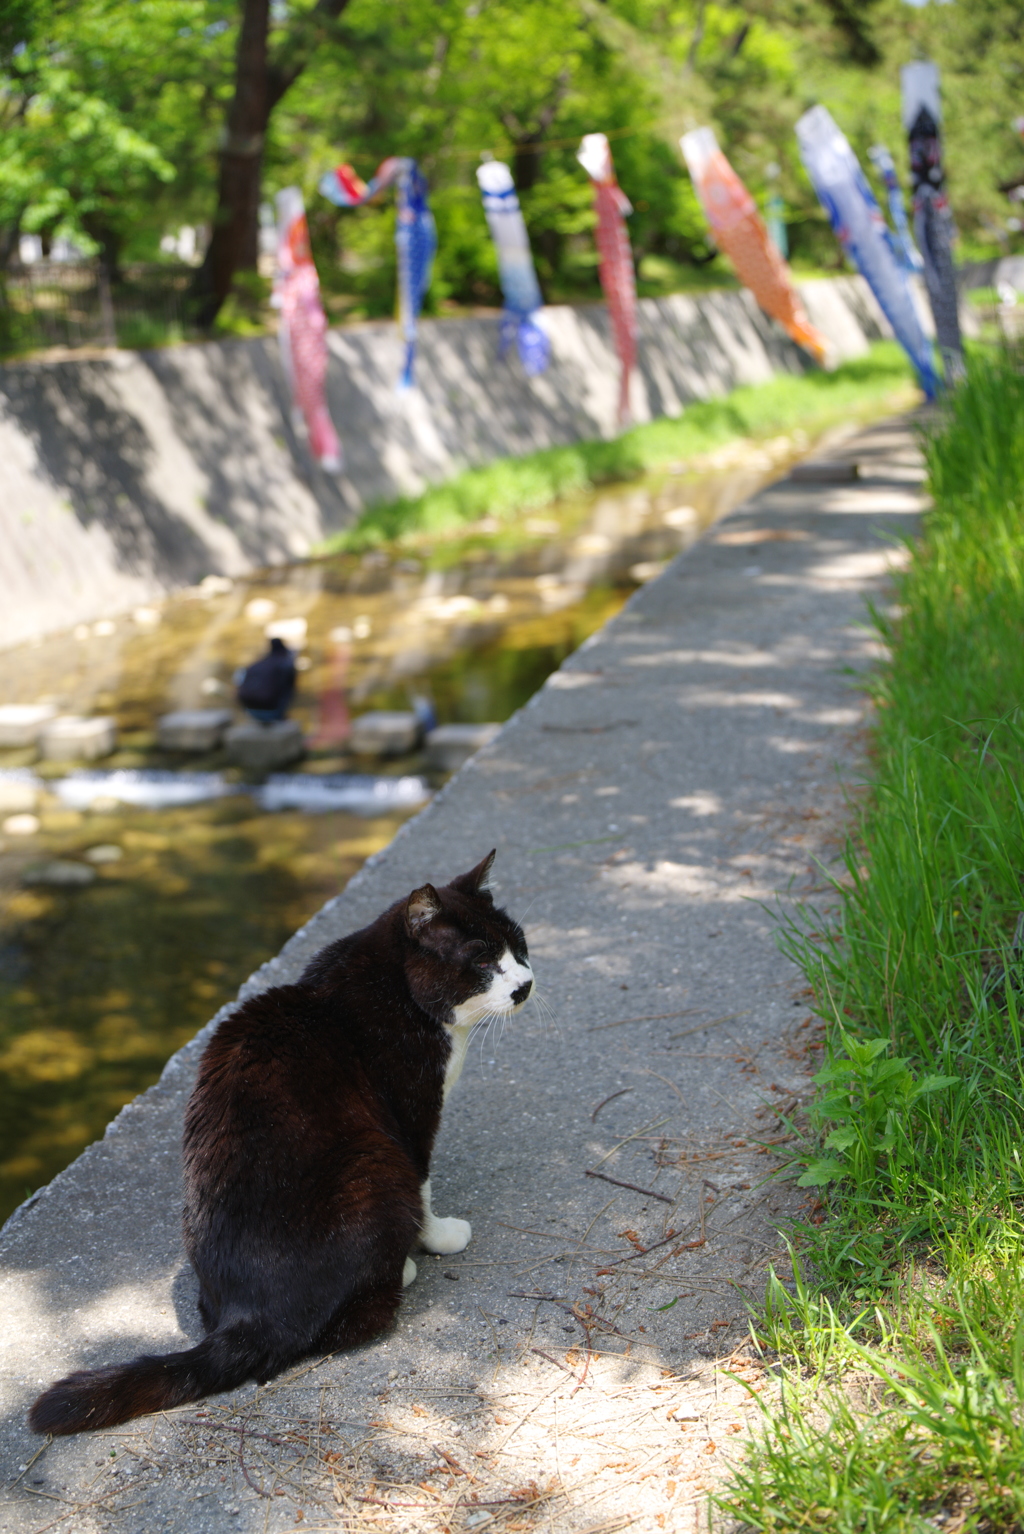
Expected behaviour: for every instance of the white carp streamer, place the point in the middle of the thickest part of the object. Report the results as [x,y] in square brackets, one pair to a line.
[519,285]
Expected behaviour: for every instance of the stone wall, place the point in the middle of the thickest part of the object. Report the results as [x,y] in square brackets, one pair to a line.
[126,475]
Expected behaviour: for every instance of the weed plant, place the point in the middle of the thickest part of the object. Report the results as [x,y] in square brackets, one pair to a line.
[903,1373]
[509,486]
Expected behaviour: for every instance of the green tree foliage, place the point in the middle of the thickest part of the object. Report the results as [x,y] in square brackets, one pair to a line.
[113,113]
[109,114]
[445,81]
[980,49]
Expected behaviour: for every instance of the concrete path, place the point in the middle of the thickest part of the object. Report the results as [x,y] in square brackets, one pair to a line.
[665,788]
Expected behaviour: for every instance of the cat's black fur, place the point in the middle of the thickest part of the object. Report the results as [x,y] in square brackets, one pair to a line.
[307,1138]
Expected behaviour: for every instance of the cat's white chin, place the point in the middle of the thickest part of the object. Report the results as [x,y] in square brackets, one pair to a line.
[503,996]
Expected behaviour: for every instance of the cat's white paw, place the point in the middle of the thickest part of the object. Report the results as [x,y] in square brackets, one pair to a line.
[408,1272]
[445,1236]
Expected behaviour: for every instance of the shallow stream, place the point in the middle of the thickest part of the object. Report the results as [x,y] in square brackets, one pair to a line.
[101,980]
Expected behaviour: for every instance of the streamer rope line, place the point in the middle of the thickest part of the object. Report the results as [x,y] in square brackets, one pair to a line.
[510,146]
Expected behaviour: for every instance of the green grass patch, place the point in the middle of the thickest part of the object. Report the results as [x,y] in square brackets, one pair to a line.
[509,486]
[903,1369]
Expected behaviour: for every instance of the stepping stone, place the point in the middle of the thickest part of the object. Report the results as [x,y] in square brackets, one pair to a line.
[17,794]
[106,852]
[61,873]
[21,724]
[291,630]
[384,734]
[264,747]
[193,729]
[452,744]
[20,825]
[70,738]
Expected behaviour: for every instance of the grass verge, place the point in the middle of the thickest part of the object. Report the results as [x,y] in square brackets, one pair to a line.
[902,1367]
[809,401]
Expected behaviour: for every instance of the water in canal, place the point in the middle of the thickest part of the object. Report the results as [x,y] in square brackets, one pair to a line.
[100,982]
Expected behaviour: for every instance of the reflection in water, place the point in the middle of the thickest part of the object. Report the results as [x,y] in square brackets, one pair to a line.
[99,984]
[333,722]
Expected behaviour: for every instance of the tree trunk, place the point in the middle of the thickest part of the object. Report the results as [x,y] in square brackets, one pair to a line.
[10,234]
[527,155]
[234,239]
[259,86]
[109,243]
[526,161]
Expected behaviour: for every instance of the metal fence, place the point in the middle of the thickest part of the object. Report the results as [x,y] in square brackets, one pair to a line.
[60,303]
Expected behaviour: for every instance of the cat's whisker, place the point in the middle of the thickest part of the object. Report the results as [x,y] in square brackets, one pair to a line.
[538,998]
[486,1028]
[482,1032]
[547,1011]
[483,1029]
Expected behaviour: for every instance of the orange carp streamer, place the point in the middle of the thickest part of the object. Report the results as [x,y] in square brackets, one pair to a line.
[742,235]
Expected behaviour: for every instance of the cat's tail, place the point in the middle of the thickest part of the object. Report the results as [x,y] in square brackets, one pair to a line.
[94,1398]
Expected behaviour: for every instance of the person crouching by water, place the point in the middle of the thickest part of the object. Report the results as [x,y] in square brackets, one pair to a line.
[266,688]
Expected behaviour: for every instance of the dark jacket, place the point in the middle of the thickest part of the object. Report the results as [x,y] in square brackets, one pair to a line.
[270,682]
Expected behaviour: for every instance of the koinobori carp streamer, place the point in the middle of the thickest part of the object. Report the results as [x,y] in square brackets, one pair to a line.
[933,220]
[303,328]
[415,235]
[847,198]
[906,250]
[519,285]
[741,233]
[615,268]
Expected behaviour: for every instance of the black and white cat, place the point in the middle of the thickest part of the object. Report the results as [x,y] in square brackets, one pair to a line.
[307,1150]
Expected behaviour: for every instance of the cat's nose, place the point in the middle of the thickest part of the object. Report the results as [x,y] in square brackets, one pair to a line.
[523,992]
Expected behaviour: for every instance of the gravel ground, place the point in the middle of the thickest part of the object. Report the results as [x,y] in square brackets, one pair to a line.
[585,1364]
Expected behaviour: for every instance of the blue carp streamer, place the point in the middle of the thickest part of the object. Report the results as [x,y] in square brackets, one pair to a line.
[907,252]
[847,198]
[519,284]
[415,236]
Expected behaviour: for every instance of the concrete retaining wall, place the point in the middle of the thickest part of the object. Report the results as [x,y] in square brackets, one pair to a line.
[989,274]
[126,475]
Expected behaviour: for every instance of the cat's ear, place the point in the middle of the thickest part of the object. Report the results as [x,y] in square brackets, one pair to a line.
[475,882]
[423,905]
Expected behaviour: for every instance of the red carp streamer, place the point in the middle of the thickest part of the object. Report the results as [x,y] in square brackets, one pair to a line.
[741,233]
[303,330]
[615,267]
